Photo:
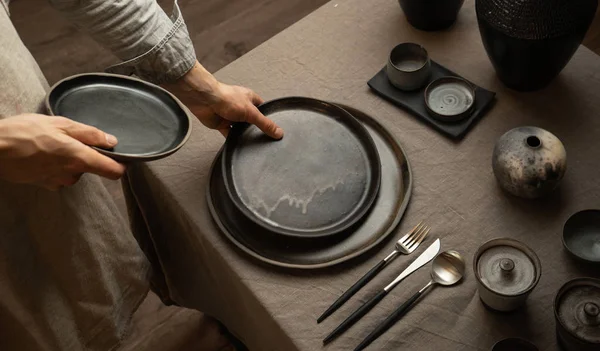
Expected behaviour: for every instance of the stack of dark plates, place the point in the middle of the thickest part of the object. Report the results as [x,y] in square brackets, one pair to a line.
[336,185]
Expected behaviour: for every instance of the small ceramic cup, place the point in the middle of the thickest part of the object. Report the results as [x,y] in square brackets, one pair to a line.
[408,67]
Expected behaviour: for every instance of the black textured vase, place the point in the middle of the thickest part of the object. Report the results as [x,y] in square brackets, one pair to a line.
[431,15]
[530,41]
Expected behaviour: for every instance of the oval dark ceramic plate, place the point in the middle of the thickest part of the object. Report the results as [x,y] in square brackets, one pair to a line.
[319,180]
[292,252]
[147,120]
[581,235]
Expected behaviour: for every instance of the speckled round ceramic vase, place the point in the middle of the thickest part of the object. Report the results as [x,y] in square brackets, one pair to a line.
[529,162]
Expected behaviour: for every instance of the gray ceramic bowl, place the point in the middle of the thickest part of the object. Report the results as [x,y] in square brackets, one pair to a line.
[581,236]
[408,67]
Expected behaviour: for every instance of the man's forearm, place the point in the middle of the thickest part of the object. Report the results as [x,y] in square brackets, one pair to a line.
[202,83]
[153,46]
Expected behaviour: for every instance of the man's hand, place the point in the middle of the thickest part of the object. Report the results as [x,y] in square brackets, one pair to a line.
[217,105]
[52,152]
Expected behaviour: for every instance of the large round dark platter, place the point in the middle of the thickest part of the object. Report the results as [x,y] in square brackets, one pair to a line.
[581,235]
[319,180]
[385,214]
[147,120]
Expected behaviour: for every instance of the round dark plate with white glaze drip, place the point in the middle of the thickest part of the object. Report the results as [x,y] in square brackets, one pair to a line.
[319,180]
[301,253]
[148,121]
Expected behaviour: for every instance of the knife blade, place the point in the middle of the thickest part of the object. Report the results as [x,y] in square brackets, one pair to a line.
[423,259]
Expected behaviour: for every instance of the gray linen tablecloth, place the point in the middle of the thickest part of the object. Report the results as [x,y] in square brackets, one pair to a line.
[330,55]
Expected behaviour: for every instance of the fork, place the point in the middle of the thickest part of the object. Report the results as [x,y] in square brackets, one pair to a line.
[406,245]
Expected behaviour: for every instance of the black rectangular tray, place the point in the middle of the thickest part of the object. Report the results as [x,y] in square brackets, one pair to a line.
[414,102]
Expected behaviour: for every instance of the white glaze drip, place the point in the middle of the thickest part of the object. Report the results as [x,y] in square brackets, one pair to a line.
[256,204]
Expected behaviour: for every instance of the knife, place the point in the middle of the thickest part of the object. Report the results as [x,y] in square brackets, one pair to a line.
[422,260]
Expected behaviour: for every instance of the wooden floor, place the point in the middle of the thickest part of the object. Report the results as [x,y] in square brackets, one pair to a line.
[222,30]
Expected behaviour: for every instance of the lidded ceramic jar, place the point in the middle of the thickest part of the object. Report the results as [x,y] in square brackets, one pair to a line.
[506,271]
[529,162]
[514,344]
[577,314]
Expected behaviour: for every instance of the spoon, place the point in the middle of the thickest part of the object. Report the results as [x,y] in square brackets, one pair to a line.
[447,269]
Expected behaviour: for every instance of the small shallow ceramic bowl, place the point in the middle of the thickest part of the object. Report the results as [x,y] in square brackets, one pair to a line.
[449,99]
[581,236]
[408,67]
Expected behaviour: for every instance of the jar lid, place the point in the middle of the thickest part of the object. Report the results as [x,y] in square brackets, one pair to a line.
[577,308]
[507,267]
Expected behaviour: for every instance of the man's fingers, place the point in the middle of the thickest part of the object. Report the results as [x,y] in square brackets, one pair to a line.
[212,121]
[88,135]
[255,98]
[218,123]
[224,131]
[52,186]
[263,123]
[68,180]
[55,183]
[95,162]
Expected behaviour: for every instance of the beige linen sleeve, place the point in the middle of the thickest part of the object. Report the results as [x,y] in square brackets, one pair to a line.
[153,46]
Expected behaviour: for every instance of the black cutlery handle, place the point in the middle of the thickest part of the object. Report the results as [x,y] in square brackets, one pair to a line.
[389,321]
[352,290]
[354,317]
